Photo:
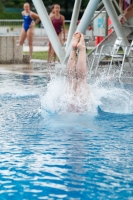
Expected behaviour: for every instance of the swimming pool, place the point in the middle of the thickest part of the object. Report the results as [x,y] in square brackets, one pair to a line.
[59,155]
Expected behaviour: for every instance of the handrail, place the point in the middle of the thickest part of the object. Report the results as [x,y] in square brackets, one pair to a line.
[10,20]
[120,10]
[20,20]
[99,4]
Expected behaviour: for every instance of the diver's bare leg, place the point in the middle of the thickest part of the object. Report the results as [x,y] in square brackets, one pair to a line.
[81,62]
[30,36]
[81,69]
[71,65]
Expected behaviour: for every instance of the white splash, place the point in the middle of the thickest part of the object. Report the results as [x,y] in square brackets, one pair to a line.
[59,99]
[104,92]
[113,97]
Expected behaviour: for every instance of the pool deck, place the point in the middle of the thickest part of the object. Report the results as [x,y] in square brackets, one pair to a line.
[41,67]
[42,48]
[36,48]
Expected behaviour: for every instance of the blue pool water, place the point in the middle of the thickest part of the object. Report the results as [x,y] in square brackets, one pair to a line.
[59,155]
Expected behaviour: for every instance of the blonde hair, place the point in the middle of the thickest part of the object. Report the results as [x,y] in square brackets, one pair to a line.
[27,4]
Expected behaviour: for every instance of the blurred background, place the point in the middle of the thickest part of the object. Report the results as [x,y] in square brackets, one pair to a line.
[12,9]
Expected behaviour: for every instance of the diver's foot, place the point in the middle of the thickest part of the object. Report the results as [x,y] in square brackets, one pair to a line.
[75,40]
[81,45]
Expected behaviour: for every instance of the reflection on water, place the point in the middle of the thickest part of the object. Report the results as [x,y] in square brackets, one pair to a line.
[48,155]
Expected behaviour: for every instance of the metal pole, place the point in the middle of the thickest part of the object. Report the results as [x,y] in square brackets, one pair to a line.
[115,21]
[88,14]
[73,23]
[85,21]
[49,29]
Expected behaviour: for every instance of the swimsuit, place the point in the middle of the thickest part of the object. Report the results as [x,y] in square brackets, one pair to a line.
[127,3]
[57,23]
[27,22]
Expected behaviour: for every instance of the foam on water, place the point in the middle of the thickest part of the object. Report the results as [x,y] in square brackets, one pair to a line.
[105,92]
[19,86]
[113,97]
[57,98]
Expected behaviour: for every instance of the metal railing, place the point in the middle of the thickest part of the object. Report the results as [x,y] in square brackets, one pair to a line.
[13,27]
[10,27]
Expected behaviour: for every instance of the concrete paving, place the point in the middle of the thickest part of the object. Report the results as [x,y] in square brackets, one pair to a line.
[41,44]
[35,48]
[44,48]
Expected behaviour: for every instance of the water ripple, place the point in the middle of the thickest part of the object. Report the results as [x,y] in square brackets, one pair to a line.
[61,156]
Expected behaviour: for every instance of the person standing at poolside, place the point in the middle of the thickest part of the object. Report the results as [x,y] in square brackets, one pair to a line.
[58,22]
[124,4]
[28,27]
[52,13]
[127,9]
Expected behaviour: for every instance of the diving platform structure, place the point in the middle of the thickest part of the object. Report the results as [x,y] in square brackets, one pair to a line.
[119,30]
